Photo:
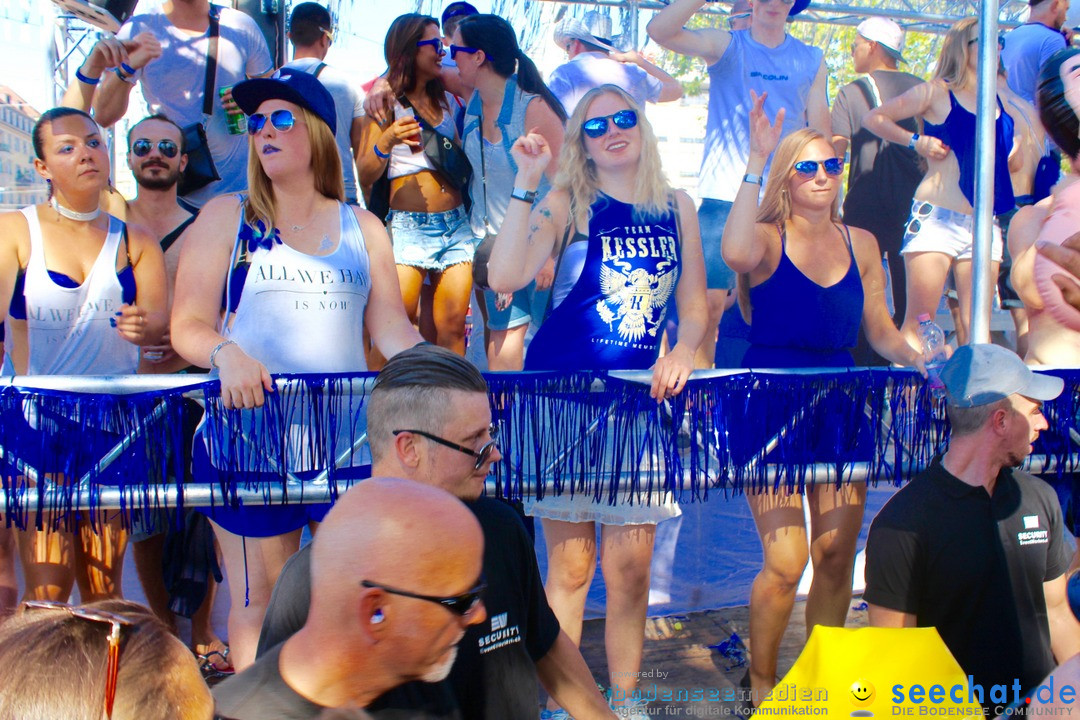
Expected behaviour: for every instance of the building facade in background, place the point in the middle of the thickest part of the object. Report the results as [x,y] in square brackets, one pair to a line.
[19,183]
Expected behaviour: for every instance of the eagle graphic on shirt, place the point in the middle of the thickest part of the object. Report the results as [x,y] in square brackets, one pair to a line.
[635,298]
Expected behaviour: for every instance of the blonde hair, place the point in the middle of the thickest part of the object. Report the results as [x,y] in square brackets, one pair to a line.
[325,162]
[952,64]
[577,173]
[775,206]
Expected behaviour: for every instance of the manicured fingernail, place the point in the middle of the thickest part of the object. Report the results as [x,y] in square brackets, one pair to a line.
[1041,244]
[118,313]
[112,321]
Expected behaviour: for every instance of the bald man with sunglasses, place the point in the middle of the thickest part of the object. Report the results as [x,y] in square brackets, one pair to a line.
[429,420]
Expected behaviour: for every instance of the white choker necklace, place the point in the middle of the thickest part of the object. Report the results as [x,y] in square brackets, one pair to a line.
[74,214]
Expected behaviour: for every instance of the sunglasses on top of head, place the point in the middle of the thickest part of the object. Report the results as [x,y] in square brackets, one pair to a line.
[282,120]
[142,148]
[433,42]
[808,168]
[598,126]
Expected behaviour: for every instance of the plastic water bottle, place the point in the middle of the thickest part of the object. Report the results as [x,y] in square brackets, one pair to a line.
[933,345]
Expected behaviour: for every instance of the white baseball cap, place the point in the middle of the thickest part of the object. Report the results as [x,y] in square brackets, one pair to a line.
[885,33]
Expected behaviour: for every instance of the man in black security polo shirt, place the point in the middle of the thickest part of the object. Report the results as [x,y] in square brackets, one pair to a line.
[973,546]
[428,420]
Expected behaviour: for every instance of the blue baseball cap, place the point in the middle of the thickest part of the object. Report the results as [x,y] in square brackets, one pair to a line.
[982,374]
[797,7]
[291,85]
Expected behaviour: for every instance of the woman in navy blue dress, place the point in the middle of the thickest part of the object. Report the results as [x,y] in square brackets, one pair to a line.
[808,281]
[632,248]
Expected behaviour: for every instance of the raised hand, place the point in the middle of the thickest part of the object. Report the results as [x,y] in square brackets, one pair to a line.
[764,135]
[531,154]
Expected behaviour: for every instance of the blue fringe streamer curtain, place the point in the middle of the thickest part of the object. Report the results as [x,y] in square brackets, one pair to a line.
[70,445]
[311,432]
[593,433]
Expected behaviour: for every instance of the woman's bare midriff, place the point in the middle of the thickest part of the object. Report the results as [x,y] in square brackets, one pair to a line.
[941,186]
[424,192]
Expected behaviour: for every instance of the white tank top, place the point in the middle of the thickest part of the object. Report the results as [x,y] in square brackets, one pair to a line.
[303,313]
[68,330]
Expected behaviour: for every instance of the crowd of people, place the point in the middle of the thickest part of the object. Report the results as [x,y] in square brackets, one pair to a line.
[465,176]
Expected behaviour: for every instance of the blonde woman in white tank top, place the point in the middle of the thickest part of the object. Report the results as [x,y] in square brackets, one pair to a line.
[296,196]
[88,294]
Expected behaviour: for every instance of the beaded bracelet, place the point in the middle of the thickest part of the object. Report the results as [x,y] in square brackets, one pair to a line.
[216,350]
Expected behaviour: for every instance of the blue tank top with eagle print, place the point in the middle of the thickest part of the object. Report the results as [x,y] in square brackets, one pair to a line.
[613,316]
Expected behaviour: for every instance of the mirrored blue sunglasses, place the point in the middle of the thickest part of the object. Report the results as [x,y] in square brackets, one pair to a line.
[808,168]
[282,120]
[598,126]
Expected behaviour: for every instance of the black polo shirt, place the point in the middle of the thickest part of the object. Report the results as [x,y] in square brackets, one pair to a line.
[972,565]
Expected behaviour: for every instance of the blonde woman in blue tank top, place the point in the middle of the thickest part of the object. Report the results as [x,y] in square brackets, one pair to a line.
[301,236]
[807,275]
[81,292]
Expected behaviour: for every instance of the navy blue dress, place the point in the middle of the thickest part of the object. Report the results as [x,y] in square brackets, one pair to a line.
[798,323]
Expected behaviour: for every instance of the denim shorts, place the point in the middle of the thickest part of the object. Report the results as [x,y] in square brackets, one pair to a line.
[712,216]
[527,306]
[431,241]
[935,229]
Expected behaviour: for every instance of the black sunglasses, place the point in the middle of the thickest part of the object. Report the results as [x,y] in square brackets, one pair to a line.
[460,605]
[455,49]
[282,120]
[433,42]
[598,126]
[481,455]
[808,168]
[142,148]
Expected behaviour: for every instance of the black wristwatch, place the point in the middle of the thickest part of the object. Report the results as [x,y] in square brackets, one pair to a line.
[528,196]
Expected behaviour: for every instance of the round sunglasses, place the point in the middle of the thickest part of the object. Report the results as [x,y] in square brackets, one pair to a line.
[282,120]
[598,126]
[142,148]
[808,168]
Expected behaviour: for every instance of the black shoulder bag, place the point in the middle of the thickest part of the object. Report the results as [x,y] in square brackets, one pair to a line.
[200,170]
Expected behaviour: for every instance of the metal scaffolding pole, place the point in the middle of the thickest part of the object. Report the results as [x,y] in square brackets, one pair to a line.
[986,113]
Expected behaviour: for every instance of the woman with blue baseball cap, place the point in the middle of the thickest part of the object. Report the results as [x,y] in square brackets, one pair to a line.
[280,280]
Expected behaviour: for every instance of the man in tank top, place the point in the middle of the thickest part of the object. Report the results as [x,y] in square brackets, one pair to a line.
[156,158]
[763,58]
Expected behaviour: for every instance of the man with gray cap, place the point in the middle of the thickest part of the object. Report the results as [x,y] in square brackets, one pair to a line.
[882,176]
[594,61]
[974,546]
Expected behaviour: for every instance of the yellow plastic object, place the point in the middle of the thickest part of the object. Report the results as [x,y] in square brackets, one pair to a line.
[873,672]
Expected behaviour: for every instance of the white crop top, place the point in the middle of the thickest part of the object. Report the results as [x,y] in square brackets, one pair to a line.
[403,161]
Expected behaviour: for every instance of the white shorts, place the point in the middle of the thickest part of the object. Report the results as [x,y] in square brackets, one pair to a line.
[935,229]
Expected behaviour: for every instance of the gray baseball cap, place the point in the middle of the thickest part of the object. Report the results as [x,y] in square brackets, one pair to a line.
[984,373]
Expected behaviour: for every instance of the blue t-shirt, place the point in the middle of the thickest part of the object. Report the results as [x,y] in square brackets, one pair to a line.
[1026,49]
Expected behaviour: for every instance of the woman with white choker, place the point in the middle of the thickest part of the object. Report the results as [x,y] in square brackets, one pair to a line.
[319,271]
[81,291]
